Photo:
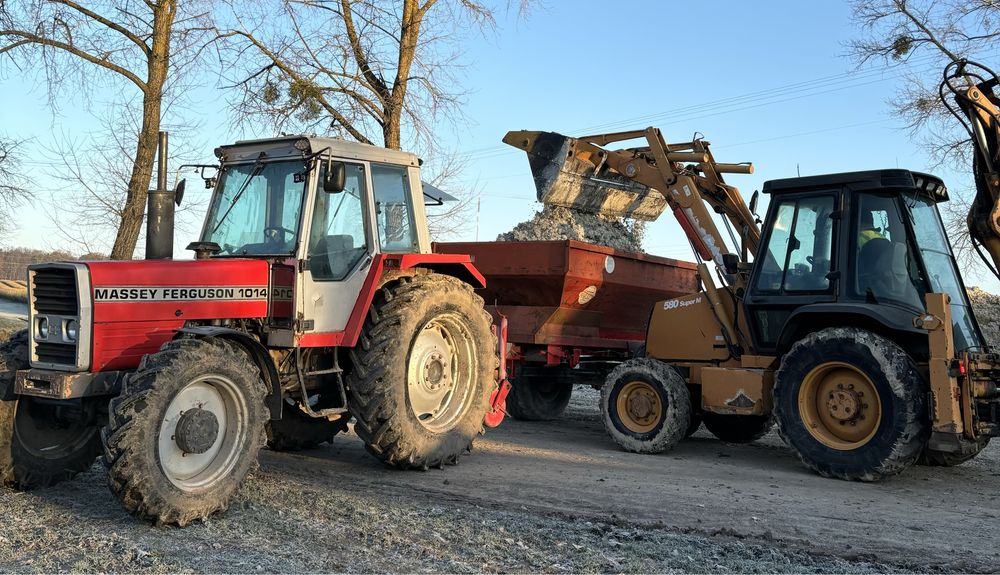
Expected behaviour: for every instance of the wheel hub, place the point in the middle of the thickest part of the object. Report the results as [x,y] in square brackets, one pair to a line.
[439,370]
[639,406]
[839,405]
[197,430]
[845,405]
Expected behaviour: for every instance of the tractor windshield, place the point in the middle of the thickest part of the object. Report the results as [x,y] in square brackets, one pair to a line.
[255,210]
[940,265]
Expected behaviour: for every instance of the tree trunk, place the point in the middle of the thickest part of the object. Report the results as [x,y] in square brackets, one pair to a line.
[145,153]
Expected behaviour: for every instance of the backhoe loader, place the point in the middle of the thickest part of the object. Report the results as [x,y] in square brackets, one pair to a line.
[843,318]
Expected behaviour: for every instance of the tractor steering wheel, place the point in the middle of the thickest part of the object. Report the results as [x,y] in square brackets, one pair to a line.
[271,233]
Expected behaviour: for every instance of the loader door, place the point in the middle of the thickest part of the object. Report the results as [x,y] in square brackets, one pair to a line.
[338,252]
[796,263]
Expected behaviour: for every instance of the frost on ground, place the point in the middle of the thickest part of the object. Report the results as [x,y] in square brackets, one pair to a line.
[559,223]
[987,310]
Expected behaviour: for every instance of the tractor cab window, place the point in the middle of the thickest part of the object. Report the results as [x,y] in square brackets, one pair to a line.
[885,268]
[337,235]
[256,207]
[799,247]
[393,211]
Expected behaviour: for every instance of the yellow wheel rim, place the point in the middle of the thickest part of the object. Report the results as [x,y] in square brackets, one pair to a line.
[639,407]
[840,405]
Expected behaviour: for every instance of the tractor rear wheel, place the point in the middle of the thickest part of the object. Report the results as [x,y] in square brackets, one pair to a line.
[738,428]
[41,443]
[185,431]
[539,394]
[646,406]
[944,459]
[296,430]
[422,372]
[852,404]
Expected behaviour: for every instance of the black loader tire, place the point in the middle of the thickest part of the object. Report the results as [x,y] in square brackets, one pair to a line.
[847,360]
[404,317]
[296,430]
[738,428]
[539,394]
[133,453]
[695,425]
[69,448]
[664,400]
[944,459]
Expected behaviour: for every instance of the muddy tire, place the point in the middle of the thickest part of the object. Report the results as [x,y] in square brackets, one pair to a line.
[738,428]
[539,394]
[296,430]
[695,424]
[422,372]
[41,443]
[945,459]
[185,431]
[852,405]
[645,406]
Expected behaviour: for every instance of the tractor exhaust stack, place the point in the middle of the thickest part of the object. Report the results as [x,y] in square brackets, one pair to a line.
[160,211]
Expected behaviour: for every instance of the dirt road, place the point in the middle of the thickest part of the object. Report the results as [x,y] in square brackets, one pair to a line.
[548,497]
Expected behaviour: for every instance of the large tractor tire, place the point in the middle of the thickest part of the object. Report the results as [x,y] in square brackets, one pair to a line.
[41,443]
[852,405]
[185,431]
[945,459]
[296,430]
[646,406]
[539,394]
[422,372]
[738,428]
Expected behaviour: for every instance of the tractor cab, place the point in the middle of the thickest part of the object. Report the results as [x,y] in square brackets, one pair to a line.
[860,247]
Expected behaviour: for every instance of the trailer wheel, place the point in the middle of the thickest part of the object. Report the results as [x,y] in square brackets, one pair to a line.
[945,459]
[422,372]
[41,443]
[185,431]
[296,430]
[539,396]
[852,404]
[646,406]
[738,428]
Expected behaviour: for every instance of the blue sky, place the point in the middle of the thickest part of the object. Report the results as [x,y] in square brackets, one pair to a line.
[767,82]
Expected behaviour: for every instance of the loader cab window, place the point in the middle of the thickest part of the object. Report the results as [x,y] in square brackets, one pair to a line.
[337,235]
[799,247]
[393,209]
[885,268]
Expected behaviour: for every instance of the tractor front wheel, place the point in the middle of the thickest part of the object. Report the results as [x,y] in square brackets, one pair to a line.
[646,406]
[852,404]
[185,431]
[422,372]
[41,443]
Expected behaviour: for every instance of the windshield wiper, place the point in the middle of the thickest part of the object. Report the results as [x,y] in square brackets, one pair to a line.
[258,166]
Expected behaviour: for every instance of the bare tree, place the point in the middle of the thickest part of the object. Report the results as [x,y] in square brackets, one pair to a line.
[138,44]
[927,35]
[13,182]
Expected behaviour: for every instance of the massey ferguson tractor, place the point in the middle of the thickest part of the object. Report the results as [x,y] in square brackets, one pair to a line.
[313,297]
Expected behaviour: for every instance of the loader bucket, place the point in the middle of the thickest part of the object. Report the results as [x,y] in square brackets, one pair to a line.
[576,179]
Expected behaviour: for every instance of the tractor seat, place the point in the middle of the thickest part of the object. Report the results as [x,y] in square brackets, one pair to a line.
[333,256]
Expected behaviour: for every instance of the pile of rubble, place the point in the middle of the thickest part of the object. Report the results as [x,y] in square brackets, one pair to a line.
[987,309]
[559,223]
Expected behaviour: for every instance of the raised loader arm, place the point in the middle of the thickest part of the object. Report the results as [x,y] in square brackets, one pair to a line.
[974,91]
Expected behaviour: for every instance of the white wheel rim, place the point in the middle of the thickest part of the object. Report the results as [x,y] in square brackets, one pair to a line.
[199,471]
[440,372]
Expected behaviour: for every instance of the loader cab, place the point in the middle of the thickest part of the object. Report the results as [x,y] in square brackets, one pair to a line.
[860,248]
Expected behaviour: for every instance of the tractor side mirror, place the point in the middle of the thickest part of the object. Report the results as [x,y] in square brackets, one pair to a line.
[179,191]
[753,203]
[336,177]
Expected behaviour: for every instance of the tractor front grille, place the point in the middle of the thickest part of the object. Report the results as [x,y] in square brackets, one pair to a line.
[60,316]
[56,353]
[54,291]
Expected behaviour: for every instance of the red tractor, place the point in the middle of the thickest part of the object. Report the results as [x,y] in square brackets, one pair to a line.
[313,297]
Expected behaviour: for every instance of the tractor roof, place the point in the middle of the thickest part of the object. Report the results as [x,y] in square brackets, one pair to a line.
[868,180]
[299,146]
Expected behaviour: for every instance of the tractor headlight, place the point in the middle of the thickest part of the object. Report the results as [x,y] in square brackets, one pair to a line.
[42,328]
[72,330]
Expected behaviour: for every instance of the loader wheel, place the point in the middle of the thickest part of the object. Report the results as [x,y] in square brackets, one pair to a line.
[738,428]
[945,459]
[296,430]
[185,431]
[646,406]
[422,372]
[851,404]
[696,418]
[41,443]
[539,394]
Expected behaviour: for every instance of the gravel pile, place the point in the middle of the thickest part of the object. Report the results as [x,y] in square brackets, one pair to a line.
[987,308]
[559,223]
